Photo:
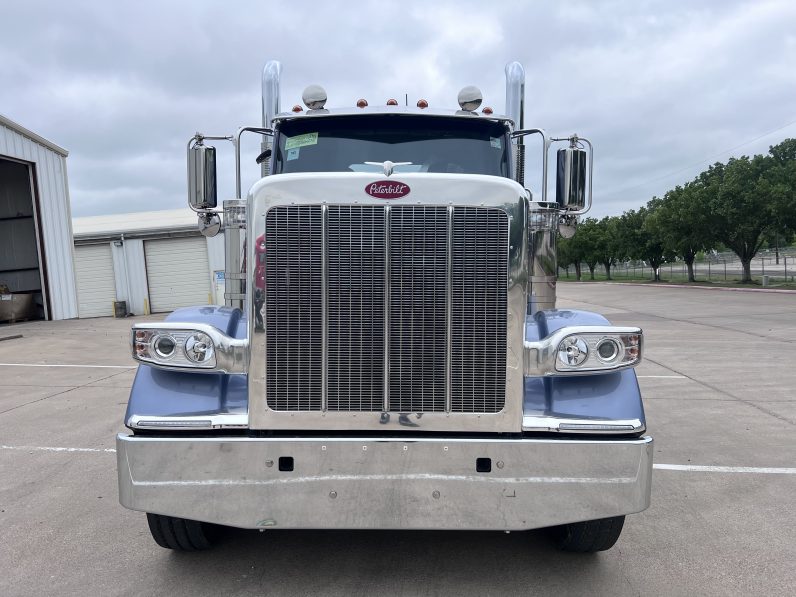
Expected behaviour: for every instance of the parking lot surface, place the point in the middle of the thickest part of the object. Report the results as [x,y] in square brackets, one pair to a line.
[718,380]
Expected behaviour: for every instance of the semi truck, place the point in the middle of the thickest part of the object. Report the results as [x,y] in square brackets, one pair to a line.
[389,355]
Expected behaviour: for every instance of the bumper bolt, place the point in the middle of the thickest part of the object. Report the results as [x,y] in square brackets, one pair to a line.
[500,464]
[333,494]
[269,463]
[435,494]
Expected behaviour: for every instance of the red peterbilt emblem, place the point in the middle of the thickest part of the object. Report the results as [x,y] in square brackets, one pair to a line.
[387,189]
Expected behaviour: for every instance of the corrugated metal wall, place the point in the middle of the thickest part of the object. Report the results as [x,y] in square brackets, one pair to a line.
[130,269]
[55,217]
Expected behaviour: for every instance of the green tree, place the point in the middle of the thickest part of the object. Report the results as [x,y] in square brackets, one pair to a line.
[608,249]
[643,237]
[566,256]
[782,175]
[584,244]
[747,198]
[683,223]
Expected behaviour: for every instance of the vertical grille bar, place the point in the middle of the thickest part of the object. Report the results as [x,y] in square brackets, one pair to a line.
[325,307]
[294,300]
[478,309]
[418,278]
[355,289]
[448,272]
[387,257]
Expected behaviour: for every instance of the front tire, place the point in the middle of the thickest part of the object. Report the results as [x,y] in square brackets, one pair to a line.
[179,534]
[588,536]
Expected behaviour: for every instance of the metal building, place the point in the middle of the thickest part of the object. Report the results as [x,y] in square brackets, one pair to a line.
[37,279]
[155,261]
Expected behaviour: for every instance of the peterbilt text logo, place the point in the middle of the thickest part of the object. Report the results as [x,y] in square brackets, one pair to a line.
[387,189]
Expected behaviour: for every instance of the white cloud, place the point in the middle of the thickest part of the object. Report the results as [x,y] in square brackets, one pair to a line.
[658,86]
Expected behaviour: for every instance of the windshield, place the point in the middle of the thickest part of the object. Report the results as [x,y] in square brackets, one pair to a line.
[413,143]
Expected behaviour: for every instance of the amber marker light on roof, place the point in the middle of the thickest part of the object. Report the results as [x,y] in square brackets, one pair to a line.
[487,110]
[421,103]
[298,108]
[392,102]
[362,103]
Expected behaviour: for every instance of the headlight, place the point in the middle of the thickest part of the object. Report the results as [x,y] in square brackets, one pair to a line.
[199,348]
[188,346]
[584,349]
[573,351]
[176,348]
[595,352]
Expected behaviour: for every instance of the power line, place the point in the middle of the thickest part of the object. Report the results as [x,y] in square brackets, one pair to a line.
[707,159]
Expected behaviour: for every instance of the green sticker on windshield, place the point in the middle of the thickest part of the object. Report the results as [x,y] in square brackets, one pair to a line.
[495,142]
[301,140]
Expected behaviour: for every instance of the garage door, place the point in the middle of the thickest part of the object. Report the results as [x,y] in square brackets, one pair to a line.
[177,273]
[96,286]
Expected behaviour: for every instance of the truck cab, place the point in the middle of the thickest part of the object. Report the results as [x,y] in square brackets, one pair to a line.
[392,357]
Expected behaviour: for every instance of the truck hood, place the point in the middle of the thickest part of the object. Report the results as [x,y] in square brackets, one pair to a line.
[375,188]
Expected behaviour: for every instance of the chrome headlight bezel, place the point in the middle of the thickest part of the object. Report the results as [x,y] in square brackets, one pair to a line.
[548,356]
[226,354]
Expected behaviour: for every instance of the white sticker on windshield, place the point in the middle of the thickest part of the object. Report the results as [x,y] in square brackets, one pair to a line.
[494,142]
[293,154]
[301,140]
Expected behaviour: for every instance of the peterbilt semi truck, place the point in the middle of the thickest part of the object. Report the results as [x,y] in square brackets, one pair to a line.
[390,354]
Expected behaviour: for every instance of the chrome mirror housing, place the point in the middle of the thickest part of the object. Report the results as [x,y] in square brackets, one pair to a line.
[571,178]
[202,192]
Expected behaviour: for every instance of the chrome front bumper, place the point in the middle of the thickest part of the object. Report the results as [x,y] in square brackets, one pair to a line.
[387,483]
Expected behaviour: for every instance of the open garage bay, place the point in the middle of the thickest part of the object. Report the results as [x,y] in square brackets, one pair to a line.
[718,380]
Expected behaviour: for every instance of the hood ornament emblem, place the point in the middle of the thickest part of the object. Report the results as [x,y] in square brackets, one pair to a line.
[388,165]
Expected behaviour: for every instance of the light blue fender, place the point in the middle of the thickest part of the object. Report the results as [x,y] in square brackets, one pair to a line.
[156,392]
[604,396]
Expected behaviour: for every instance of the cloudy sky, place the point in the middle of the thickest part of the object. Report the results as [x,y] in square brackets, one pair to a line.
[661,88]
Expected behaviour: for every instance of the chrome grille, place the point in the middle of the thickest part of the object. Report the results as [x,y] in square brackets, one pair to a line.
[355,303]
[294,309]
[403,305]
[478,309]
[418,340]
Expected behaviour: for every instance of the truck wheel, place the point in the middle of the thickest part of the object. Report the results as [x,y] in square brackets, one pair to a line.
[178,533]
[588,536]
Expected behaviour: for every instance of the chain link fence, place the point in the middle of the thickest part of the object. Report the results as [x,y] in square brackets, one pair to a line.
[766,269]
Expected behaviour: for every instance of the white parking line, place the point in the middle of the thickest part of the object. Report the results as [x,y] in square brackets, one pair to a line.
[54,449]
[691,468]
[73,366]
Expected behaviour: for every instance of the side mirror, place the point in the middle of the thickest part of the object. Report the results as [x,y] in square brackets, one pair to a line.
[571,179]
[209,224]
[202,176]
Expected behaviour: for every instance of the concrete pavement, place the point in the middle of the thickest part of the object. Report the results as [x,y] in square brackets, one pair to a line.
[718,381]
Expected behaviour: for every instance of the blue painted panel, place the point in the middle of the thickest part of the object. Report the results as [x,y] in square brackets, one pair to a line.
[604,396]
[156,392]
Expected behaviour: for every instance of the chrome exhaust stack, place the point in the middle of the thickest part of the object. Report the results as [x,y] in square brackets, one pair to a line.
[272,72]
[515,109]
[542,217]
